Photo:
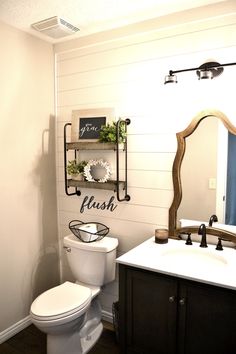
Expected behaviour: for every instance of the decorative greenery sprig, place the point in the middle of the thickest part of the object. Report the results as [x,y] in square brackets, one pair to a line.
[74,167]
[108,133]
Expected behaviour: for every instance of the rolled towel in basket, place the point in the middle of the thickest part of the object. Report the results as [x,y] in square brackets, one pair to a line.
[88,233]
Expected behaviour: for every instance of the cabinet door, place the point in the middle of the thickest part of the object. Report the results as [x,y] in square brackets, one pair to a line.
[207,319]
[149,315]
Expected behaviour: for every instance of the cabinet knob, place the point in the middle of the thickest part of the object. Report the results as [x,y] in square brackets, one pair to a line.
[171,299]
[182,301]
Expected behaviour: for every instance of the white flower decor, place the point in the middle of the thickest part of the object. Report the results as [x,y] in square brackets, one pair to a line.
[101,163]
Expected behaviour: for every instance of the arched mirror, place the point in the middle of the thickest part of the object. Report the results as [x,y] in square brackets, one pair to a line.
[204,177]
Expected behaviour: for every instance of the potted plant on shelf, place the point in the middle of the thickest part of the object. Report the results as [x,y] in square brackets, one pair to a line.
[107,133]
[76,169]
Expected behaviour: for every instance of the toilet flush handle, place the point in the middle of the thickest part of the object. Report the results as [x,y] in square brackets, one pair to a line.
[68,249]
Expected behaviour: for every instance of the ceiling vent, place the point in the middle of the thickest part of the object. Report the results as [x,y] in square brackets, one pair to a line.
[55,27]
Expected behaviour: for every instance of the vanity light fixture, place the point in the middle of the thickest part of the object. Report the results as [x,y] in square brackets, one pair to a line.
[171,78]
[208,70]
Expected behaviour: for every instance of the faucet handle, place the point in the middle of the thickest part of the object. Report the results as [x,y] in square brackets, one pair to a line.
[219,246]
[188,241]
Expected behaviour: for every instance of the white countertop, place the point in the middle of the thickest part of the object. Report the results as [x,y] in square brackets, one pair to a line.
[206,265]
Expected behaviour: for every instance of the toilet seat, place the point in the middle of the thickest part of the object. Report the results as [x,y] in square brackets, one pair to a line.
[63,301]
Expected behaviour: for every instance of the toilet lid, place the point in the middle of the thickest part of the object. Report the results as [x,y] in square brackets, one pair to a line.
[61,301]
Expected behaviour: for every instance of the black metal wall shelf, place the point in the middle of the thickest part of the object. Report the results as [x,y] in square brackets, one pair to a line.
[114,185]
[109,185]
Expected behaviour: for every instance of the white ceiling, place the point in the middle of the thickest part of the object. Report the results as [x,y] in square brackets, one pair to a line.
[90,15]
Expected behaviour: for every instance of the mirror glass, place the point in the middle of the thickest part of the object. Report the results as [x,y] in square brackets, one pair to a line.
[204,173]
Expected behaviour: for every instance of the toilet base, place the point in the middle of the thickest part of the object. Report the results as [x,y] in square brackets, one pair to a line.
[81,336]
[72,343]
[89,341]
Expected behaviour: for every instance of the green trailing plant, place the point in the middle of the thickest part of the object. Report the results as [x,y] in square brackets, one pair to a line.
[108,133]
[74,167]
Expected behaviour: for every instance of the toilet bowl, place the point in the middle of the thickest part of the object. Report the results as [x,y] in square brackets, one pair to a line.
[70,313]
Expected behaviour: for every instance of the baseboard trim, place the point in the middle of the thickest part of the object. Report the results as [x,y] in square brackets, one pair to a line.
[107,316]
[14,329]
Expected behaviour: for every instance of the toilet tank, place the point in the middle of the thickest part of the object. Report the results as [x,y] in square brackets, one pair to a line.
[92,263]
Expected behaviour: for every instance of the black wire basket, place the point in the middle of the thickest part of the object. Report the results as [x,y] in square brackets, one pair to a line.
[88,231]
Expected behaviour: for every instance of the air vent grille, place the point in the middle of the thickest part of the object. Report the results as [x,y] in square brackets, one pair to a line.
[45,24]
[55,27]
[68,25]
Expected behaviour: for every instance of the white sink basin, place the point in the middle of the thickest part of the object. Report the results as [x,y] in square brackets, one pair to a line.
[194,257]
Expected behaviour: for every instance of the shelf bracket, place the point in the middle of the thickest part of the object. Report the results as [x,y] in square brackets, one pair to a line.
[77,191]
[126,122]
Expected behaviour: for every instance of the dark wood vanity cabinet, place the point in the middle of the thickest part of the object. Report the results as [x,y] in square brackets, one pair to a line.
[160,314]
[147,318]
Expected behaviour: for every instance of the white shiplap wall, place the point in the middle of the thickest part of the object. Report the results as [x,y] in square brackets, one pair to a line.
[127,73]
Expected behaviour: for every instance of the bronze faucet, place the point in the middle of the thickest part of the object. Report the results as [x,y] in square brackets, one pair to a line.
[202,231]
[212,219]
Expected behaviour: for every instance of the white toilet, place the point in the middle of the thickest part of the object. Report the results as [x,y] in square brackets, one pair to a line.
[70,313]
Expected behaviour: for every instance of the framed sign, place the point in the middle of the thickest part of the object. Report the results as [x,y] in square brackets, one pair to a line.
[86,124]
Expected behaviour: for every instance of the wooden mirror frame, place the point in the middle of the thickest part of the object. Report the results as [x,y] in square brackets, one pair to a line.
[174,231]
